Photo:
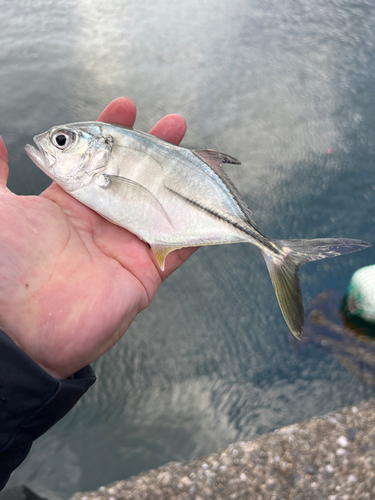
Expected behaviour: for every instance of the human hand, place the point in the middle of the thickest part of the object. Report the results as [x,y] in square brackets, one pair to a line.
[72,282]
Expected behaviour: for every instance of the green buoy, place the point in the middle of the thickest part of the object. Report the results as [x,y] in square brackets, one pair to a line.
[361,294]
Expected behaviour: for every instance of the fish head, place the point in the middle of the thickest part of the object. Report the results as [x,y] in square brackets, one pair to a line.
[72,154]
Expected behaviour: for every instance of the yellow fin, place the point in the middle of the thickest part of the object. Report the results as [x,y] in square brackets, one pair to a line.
[161,253]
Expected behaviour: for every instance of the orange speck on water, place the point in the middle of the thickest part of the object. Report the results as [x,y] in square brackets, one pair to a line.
[329,151]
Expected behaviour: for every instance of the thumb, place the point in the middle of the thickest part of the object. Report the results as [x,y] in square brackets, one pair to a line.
[4,170]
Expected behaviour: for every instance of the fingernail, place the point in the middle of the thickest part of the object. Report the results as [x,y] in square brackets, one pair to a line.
[130,99]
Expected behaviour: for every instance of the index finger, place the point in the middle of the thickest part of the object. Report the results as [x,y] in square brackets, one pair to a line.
[4,170]
[171,128]
[121,111]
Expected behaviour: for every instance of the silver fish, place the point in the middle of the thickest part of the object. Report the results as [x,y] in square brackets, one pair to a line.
[172,197]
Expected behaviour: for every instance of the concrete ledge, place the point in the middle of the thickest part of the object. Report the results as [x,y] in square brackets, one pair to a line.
[327,458]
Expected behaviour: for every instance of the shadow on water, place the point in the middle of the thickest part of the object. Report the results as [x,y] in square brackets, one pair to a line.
[351,340]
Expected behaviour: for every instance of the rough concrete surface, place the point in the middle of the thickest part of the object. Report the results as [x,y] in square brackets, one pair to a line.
[327,458]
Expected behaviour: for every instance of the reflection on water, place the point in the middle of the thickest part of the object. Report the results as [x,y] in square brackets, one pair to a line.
[350,339]
[288,89]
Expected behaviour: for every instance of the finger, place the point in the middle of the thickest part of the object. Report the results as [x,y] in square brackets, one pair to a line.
[171,128]
[121,111]
[176,259]
[4,170]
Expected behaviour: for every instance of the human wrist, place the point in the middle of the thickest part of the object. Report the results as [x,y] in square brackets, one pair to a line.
[59,373]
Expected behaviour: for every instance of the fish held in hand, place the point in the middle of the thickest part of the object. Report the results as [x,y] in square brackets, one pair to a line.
[172,197]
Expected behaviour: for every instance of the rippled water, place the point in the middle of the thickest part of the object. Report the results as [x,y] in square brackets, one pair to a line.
[275,84]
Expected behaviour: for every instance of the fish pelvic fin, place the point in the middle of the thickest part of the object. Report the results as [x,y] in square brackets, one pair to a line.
[284,266]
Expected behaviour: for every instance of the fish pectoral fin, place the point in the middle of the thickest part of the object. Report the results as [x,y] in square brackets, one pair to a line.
[133,191]
[161,253]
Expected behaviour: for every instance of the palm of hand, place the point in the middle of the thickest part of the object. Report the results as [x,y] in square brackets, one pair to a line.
[70,281]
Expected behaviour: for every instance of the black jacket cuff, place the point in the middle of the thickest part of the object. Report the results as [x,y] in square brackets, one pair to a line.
[31,401]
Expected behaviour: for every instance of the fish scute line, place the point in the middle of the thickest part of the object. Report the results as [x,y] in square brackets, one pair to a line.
[257,236]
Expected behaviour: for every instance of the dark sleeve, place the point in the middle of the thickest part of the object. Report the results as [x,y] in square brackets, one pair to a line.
[31,401]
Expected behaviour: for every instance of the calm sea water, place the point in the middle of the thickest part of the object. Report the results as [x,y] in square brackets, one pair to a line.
[275,84]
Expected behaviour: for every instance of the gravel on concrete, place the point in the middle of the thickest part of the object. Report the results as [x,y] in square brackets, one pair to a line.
[326,458]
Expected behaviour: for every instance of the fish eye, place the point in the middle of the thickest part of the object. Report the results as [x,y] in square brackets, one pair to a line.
[62,139]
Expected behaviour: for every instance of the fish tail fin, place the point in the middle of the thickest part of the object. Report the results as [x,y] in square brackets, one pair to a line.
[284,266]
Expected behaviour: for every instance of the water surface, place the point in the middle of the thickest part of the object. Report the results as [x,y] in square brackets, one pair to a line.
[286,87]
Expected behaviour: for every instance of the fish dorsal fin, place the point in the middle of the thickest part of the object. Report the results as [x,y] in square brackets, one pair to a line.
[216,160]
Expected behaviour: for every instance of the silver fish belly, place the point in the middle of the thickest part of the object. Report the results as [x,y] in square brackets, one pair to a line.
[172,197]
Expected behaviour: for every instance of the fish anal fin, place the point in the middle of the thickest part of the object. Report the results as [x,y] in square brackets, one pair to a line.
[161,252]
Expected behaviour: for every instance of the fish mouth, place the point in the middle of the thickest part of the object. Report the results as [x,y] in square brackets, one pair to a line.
[40,158]
[36,155]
